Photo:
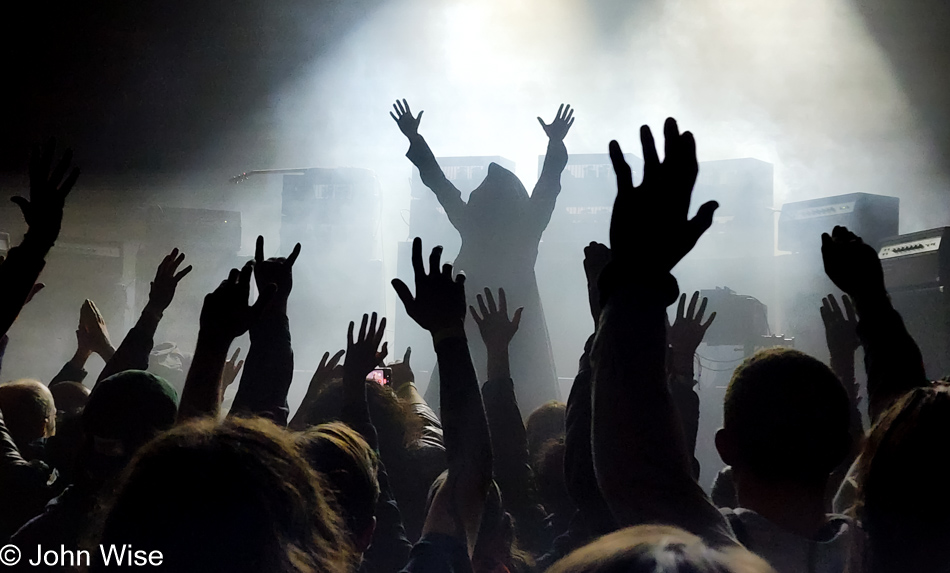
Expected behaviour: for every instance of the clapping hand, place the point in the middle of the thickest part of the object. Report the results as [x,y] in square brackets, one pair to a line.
[852,264]
[43,211]
[496,328]
[657,211]
[439,302]
[167,277]
[408,125]
[562,123]
[92,334]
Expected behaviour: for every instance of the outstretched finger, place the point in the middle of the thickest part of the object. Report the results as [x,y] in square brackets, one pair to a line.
[336,359]
[502,302]
[362,335]
[681,307]
[834,306]
[392,115]
[516,320]
[621,169]
[323,361]
[349,334]
[380,332]
[182,274]
[491,301]
[475,317]
[691,309]
[403,292]
[293,255]
[405,357]
[434,257]
[234,357]
[417,267]
[702,310]
[712,317]
[849,308]
[671,140]
[481,305]
[259,249]
[650,158]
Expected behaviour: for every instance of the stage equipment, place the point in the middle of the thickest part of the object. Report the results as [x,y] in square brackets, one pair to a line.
[872,217]
[740,320]
[917,276]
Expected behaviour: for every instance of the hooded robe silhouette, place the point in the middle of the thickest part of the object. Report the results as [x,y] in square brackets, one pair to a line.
[501,227]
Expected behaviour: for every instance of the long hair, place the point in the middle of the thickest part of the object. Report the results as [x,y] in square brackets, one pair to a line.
[226,496]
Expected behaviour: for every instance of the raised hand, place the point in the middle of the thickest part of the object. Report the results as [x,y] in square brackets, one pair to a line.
[596,257]
[841,328]
[277,271]
[439,303]
[225,312]
[408,125]
[328,369]
[688,329]
[363,354]
[852,264]
[496,328]
[657,211]
[562,123]
[402,371]
[92,334]
[167,277]
[231,370]
[43,211]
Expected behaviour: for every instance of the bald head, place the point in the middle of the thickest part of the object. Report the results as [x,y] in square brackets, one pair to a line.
[28,411]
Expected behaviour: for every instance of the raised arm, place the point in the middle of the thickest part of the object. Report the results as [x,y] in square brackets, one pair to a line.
[640,454]
[328,369]
[43,213]
[269,367]
[892,359]
[548,187]
[509,438]
[684,336]
[133,353]
[841,334]
[225,315]
[439,307]
[422,157]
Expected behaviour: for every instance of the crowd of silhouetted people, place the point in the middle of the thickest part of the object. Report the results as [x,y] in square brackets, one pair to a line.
[135,470]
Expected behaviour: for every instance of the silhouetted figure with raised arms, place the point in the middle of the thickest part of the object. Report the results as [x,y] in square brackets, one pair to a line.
[500,227]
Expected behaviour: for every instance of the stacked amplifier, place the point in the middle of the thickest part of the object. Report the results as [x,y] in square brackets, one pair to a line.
[917,276]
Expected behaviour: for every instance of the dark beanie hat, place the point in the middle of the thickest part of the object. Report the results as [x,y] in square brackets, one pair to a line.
[128,409]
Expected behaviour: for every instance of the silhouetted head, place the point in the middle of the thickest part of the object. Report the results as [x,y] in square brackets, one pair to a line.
[544,424]
[70,397]
[552,485]
[227,496]
[28,411]
[349,466]
[124,411]
[905,505]
[499,195]
[657,549]
[396,423]
[785,419]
